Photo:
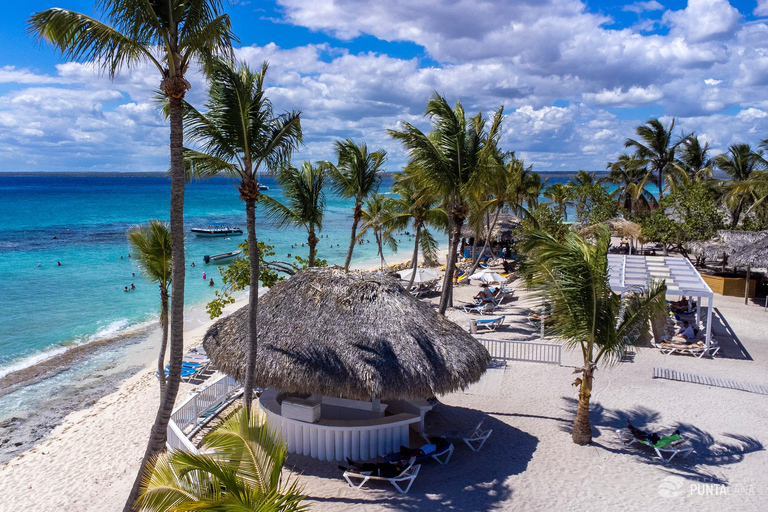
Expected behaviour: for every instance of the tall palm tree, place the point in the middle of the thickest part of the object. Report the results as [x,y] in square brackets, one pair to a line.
[695,159]
[241,470]
[356,175]
[170,34]
[305,202]
[739,164]
[152,249]
[449,159]
[532,187]
[656,147]
[415,205]
[582,185]
[631,176]
[376,217]
[239,135]
[559,196]
[572,277]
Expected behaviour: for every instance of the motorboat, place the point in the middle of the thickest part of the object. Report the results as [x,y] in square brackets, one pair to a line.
[263,187]
[224,257]
[217,229]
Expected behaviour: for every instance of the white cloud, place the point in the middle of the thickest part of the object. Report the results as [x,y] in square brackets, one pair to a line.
[712,81]
[761,9]
[704,20]
[639,7]
[633,97]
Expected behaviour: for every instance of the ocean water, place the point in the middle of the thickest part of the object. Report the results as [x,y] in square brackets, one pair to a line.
[81,222]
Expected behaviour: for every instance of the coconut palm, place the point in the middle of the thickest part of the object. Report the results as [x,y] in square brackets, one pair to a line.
[305,202]
[239,135]
[240,470]
[171,35]
[582,185]
[572,277]
[376,217]
[449,159]
[152,249]
[656,147]
[631,177]
[355,176]
[695,159]
[739,164]
[415,205]
[560,196]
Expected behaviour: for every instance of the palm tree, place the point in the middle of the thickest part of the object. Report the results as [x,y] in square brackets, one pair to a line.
[152,249]
[656,147]
[305,205]
[449,159]
[415,205]
[572,277]
[739,164]
[560,196]
[532,186]
[377,217]
[582,185]
[239,135]
[631,176]
[241,470]
[355,176]
[695,159]
[171,35]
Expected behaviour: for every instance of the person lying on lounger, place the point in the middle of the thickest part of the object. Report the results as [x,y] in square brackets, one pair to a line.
[436,444]
[382,469]
[645,437]
[485,294]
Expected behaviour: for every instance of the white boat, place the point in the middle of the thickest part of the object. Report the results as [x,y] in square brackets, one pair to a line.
[263,187]
[219,229]
[224,257]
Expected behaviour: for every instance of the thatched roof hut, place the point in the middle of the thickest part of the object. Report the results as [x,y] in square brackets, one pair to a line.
[503,230]
[356,335]
[742,248]
[618,226]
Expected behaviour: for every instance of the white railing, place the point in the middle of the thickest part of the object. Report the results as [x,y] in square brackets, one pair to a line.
[197,410]
[514,350]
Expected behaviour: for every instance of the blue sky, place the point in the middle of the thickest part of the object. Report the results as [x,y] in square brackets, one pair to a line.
[575,78]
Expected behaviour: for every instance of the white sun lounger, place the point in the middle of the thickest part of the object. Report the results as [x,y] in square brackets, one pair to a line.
[407,475]
[666,453]
[696,349]
[490,324]
[482,309]
[475,440]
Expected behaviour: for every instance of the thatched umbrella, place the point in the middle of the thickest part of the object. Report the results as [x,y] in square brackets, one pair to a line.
[739,248]
[358,335]
[619,226]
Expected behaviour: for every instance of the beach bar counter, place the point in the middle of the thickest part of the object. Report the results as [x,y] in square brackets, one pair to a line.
[329,428]
[347,361]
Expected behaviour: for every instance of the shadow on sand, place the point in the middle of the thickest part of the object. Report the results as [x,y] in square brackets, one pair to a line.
[707,454]
[467,483]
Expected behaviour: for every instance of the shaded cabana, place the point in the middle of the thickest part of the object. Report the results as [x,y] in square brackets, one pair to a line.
[628,273]
[747,249]
[339,344]
[619,226]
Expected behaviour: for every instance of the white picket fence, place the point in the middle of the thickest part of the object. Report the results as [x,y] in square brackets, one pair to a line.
[515,350]
[196,410]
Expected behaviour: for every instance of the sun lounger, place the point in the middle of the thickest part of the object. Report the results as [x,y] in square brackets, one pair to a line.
[482,309]
[665,447]
[490,324]
[406,475]
[475,439]
[697,349]
[442,454]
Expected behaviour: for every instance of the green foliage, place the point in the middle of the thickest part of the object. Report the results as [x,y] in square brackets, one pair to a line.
[303,263]
[237,276]
[595,205]
[240,470]
[152,246]
[547,219]
[685,215]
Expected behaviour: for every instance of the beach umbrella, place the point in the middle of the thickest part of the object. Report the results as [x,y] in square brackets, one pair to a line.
[488,276]
[356,335]
[423,275]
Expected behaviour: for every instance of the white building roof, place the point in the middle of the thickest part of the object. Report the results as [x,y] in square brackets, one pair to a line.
[632,271]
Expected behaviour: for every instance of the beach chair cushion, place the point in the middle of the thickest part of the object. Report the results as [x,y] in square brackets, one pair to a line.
[666,448]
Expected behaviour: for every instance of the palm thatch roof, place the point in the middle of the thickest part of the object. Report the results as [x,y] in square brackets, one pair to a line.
[358,335]
[742,248]
[504,229]
[618,226]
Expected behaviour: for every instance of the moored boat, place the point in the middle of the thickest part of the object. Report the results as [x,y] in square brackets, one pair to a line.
[263,187]
[218,229]
[224,257]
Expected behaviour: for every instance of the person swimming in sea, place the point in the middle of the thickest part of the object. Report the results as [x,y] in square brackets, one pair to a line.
[126,288]
[132,287]
[210,283]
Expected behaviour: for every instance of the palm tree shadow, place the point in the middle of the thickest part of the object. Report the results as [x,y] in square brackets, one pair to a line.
[707,453]
[470,481]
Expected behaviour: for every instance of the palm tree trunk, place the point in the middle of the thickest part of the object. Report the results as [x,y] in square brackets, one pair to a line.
[312,242]
[164,340]
[415,257]
[487,239]
[253,304]
[158,434]
[379,237]
[451,265]
[582,430]
[355,220]
[735,216]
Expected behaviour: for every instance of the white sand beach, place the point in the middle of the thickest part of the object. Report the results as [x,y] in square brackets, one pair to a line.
[529,463]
